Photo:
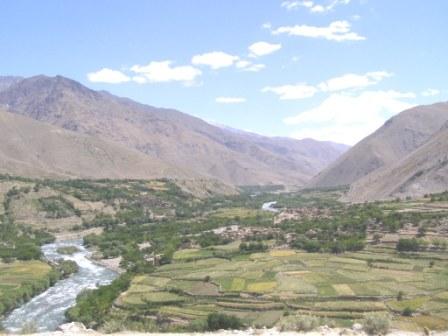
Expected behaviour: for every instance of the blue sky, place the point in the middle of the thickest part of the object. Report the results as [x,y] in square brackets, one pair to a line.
[327,69]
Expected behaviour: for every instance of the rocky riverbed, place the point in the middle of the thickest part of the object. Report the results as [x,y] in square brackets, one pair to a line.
[79,329]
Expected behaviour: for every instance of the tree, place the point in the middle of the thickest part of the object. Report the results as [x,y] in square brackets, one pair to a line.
[217,321]
[408,245]
[422,231]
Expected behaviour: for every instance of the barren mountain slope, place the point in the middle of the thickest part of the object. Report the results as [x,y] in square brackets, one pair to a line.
[398,137]
[173,137]
[423,171]
[35,149]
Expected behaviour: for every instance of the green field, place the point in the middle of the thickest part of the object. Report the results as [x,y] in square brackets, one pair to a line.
[343,288]
[20,280]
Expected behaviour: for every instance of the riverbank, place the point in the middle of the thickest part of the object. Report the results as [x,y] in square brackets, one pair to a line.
[112,264]
[46,311]
[76,235]
[79,329]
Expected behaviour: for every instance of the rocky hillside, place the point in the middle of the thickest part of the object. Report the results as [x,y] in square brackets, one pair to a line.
[399,137]
[167,137]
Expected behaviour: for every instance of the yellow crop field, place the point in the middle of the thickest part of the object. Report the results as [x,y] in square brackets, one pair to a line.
[262,287]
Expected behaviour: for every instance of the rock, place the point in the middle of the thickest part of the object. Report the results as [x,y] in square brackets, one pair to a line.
[75,328]
[348,332]
[357,326]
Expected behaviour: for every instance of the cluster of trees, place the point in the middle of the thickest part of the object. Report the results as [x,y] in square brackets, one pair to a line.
[415,245]
[336,246]
[218,321]
[408,245]
[253,247]
[344,231]
[58,207]
[209,239]
[92,306]
[19,242]
[442,197]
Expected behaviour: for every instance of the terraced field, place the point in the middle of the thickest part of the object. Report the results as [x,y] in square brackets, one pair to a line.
[264,288]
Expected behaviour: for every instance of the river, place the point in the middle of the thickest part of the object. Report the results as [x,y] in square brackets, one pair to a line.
[269,206]
[46,310]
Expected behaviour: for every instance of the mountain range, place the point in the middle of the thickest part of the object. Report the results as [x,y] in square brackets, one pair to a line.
[54,126]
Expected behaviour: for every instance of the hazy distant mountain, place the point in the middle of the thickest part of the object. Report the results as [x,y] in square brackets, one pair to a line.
[423,171]
[397,138]
[35,149]
[177,140]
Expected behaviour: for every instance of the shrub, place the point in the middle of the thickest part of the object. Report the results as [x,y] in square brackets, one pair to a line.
[217,321]
[406,245]
[375,324]
[300,323]
[307,323]
[67,267]
[67,250]
[253,247]
[407,312]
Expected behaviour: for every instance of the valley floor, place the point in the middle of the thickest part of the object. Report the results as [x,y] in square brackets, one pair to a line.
[188,261]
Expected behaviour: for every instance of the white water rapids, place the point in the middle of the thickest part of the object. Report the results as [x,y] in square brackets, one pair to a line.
[269,206]
[46,311]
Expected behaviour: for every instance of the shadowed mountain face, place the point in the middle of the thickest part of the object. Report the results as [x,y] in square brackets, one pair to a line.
[399,137]
[185,143]
[35,149]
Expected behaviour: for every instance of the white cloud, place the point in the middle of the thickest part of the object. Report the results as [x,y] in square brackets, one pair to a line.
[241,64]
[430,92]
[255,67]
[266,25]
[140,79]
[294,4]
[353,81]
[106,75]
[245,65]
[312,6]
[341,83]
[290,92]
[263,48]
[163,71]
[215,59]
[337,31]
[347,118]
[230,100]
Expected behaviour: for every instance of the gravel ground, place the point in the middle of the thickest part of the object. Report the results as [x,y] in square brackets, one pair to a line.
[79,329]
